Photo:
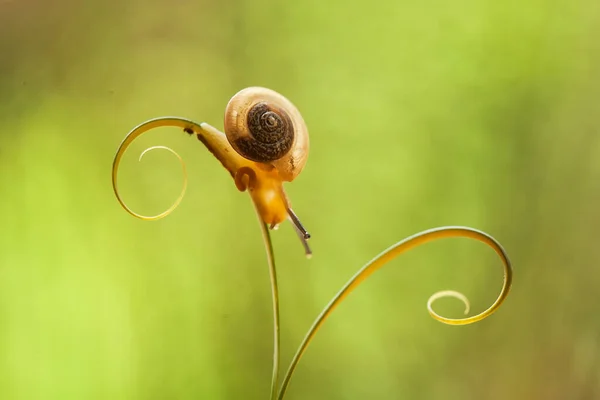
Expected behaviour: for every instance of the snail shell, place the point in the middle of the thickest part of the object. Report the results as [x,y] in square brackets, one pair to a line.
[263,126]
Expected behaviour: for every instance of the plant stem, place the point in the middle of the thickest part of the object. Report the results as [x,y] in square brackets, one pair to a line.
[275,298]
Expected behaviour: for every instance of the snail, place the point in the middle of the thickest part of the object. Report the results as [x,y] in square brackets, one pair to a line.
[265,143]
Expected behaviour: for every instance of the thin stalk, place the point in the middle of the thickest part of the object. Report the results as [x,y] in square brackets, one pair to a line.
[275,298]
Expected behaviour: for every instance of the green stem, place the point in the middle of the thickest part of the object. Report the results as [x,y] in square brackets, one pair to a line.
[275,298]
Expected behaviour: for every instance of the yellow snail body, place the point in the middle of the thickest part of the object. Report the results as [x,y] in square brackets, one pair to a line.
[265,143]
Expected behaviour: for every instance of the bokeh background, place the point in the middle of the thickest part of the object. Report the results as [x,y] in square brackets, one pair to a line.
[421,114]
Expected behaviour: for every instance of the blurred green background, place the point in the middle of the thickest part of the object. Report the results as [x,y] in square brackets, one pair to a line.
[421,114]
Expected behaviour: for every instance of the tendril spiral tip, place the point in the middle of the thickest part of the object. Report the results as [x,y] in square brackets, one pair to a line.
[131,136]
[448,293]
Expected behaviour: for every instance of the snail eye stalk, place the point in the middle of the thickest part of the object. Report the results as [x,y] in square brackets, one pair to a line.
[302,233]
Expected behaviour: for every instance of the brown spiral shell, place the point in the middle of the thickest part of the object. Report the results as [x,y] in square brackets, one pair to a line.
[265,127]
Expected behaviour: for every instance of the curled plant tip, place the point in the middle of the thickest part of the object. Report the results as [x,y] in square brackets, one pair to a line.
[447,293]
[186,125]
[149,149]
[387,256]
[183,188]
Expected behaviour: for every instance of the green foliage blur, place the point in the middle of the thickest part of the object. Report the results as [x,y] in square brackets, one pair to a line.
[421,114]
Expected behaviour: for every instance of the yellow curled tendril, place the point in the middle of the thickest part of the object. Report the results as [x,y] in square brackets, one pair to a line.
[185,124]
[387,256]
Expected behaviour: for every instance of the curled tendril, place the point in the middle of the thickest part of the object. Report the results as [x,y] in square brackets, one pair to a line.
[387,256]
[187,125]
